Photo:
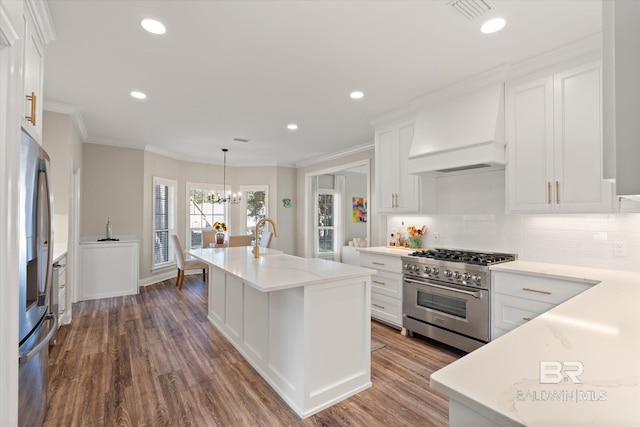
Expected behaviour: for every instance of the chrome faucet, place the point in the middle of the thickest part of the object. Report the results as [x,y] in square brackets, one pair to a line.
[256,247]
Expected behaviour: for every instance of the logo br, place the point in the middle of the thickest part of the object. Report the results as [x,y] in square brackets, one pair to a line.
[553,372]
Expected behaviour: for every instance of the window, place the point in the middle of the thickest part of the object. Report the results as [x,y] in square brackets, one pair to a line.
[255,201]
[201,214]
[164,220]
[325,222]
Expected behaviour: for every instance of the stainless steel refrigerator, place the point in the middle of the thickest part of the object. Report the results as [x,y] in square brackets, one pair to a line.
[38,323]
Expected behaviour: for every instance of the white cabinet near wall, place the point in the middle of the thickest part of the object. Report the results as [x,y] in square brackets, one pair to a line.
[518,298]
[554,143]
[386,287]
[397,191]
[108,269]
[33,76]
[64,308]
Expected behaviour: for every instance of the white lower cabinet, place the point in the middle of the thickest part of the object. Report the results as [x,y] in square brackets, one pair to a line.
[108,269]
[518,298]
[64,315]
[386,287]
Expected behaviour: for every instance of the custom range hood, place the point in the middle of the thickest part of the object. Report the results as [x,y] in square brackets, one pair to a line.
[465,133]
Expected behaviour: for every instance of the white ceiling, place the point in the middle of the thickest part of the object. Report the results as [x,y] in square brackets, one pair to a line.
[244,69]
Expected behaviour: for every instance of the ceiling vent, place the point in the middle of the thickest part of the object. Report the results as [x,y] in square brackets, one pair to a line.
[471,9]
[240,140]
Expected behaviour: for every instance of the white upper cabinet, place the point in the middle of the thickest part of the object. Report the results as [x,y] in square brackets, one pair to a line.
[33,72]
[554,143]
[397,191]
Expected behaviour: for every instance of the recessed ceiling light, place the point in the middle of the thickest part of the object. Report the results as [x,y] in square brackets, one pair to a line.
[138,95]
[153,26]
[493,25]
[292,126]
[356,94]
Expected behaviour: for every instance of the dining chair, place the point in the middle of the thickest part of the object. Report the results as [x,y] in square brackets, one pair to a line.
[186,264]
[265,240]
[240,240]
[208,237]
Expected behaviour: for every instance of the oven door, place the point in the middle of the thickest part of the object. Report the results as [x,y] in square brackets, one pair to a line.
[455,308]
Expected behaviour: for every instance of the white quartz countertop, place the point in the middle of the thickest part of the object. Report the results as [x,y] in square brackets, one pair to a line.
[275,271]
[388,250]
[598,329]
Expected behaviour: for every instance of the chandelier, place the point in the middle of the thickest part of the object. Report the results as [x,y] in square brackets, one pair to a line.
[216,197]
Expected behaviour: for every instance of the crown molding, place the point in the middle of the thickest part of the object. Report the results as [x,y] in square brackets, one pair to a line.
[70,110]
[8,33]
[336,155]
[591,45]
[44,21]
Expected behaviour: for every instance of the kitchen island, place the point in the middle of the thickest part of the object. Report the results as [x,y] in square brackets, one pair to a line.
[577,364]
[302,323]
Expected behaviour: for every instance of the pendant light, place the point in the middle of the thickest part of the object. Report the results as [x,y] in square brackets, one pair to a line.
[216,197]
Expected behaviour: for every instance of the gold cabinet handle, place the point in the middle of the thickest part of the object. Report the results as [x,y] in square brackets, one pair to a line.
[379,306]
[548,192]
[536,291]
[377,282]
[526,319]
[32,118]
[377,263]
[557,193]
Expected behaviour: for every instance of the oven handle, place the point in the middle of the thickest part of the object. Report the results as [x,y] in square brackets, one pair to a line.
[446,288]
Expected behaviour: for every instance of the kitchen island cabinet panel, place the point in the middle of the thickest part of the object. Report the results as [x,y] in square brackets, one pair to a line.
[303,324]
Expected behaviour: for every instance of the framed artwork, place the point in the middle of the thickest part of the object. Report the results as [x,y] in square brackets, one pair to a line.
[359,209]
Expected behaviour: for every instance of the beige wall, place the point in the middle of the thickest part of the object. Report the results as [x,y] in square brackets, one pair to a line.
[112,186]
[286,187]
[63,144]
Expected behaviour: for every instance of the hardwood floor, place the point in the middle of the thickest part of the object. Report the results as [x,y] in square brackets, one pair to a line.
[154,359]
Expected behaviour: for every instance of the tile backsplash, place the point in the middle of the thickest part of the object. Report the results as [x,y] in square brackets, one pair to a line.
[470,214]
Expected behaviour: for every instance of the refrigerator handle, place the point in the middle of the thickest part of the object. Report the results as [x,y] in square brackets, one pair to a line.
[24,358]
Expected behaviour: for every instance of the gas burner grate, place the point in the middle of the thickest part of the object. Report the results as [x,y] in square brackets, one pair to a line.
[467,257]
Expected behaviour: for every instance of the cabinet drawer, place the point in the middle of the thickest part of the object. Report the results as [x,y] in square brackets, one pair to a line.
[386,309]
[510,312]
[386,283]
[552,291]
[62,276]
[391,264]
[62,301]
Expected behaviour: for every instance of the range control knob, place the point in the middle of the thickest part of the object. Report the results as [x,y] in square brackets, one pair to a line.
[427,270]
[434,271]
[406,266]
[466,277]
[447,273]
[456,275]
[476,278]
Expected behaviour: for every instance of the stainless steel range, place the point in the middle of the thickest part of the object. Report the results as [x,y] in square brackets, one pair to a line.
[446,295]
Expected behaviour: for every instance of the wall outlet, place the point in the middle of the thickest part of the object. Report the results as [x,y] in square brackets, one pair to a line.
[436,236]
[620,248]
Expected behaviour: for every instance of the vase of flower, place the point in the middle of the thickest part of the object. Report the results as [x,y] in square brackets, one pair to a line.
[220,227]
[415,236]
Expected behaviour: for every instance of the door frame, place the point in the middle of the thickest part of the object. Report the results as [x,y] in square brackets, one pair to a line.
[309,206]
